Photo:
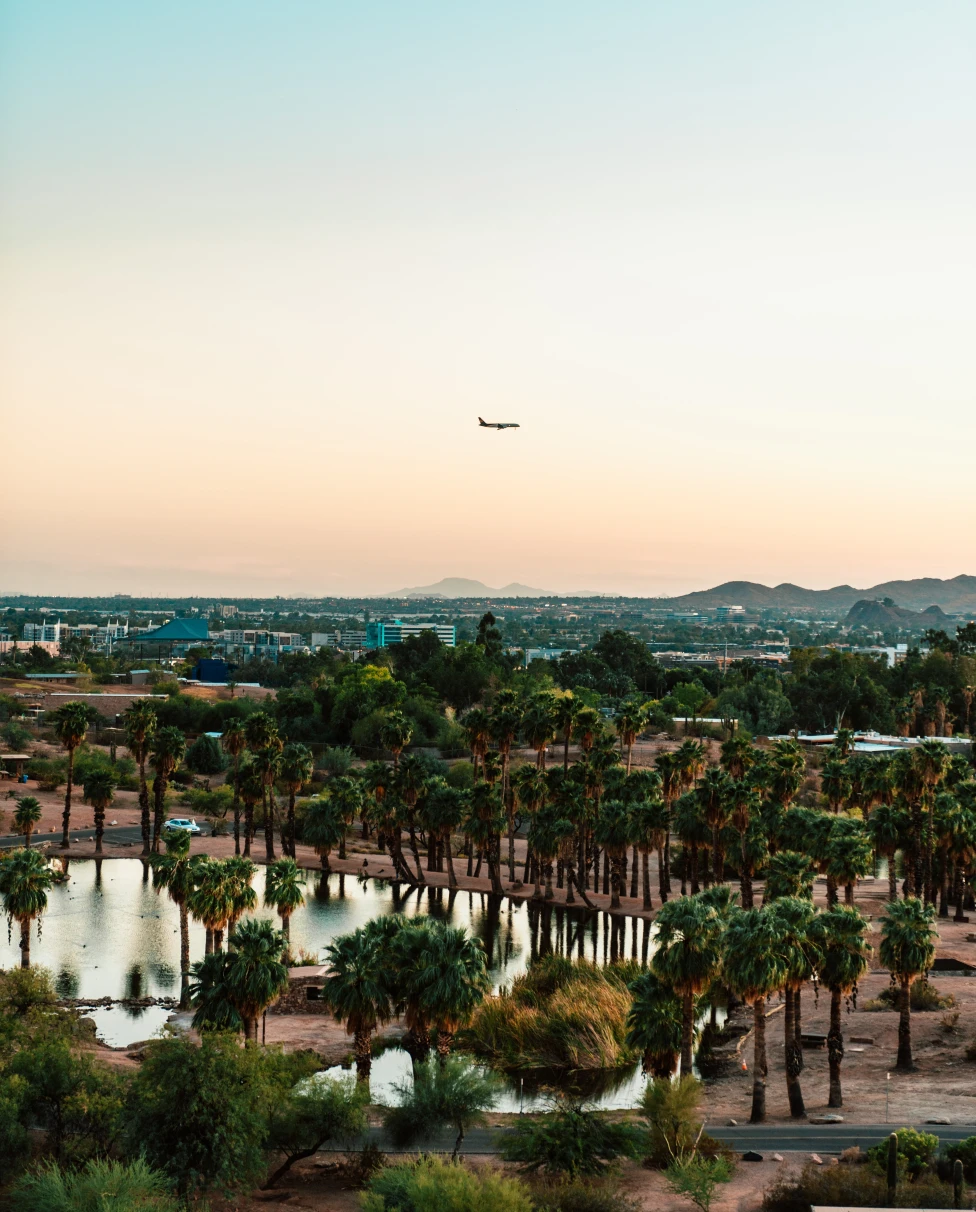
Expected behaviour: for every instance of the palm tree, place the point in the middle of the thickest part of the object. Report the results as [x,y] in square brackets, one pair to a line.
[786,771]
[671,770]
[297,765]
[614,832]
[283,882]
[25,877]
[754,968]
[444,810]
[745,804]
[211,901]
[267,764]
[358,989]
[411,784]
[483,826]
[931,762]
[26,816]
[547,833]
[907,951]
[792,917]
[239,872]
[177,871]
[850,854]
[654,1025]
[506,719]
[140,724]
[253,789]
[395,735]
[448,980]
[71,723]
[324,828]
[234,742]
[789,874]
[889,826]
[477,726]
[713,792]
[346,793]
[246,979]
[99,792]
[566,711]
[688,956]
[630,723]
[167,750]
[843,951]
[835,783]
[738,756]
[539,725]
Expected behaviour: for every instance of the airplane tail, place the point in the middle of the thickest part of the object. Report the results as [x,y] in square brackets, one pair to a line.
[482,421]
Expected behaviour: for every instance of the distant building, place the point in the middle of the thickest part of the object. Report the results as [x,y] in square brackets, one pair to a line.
[174,638]
[226,612]
[259,644]
[347,641]
[725,614]
[383,634]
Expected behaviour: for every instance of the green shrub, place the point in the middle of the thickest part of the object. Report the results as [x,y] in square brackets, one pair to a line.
[16,735]
[599,1196]
[444,1093]
[560,1014]
[49,772]
[696,1178]
[461,775]
[88,761]
[917,1148]
[100,1184]
[854,1187]
[570,1140]
[924,996]
[430,1185]
[671,1111]
[205,756]
[964,1151]
[337,759]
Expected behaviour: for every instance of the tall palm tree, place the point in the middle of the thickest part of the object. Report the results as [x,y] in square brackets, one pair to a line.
[614,832]
[448,980]
[283,882]
[477,727]
[539,725]
[177,871]
[547,833]
[754,968]
[25,877]
[745,805]
[253,790]
[71,723]
[630,723]
[139,722]
[506,719]
[358,989]
[835,783]
[789,874]
[688,957]
[246,979]
[714,794]
[786,771]
[267,764]
[444,810]
[411,783]
[889,827]
[843,946]
[211,901]
[907,950]
[566,711]
[792,917]
[931,762]
[234,742]
[483,825]
[346,793]
[738,757]
[671,769]
[297,765]
[654,1024]
[849,854]
[239,873]
[99,792]
[26,816]
[167,750]
[395,735]
[324,828]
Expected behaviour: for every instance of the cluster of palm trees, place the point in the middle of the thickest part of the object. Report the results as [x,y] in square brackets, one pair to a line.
[218,893]
[432,974]
[709,947]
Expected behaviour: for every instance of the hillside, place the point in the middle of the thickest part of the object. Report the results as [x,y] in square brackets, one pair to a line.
[953,596]
[871,613]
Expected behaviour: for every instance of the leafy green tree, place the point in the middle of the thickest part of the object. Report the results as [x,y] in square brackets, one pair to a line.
[205,756]
[283,892]
[166,751]
[754,968]
[442,1093]
[71,722]
[315,1112]
[25,877]
[696,1177]
[841,938]
[688,957]
[177,871]
[27,814]
[907,950]
[395,735]
[99,787]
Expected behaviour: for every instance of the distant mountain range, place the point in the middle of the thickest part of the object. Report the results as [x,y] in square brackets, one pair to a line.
[955,596]
[463,587]
[869,612]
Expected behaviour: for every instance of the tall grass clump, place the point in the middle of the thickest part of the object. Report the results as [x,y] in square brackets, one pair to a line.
[560,1014]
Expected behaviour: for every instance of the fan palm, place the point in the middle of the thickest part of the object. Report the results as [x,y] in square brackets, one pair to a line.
[539,725]
[907,950]
[654,1025]
[843,946]
[358,989]
[99,789]
[745,805]
[239,873]
[346,793]
[297,765]
[234,742]
[483,826]
[889,828]
[850,854]
[614,832]
[167,750]
[444,810]
[506,719]
[754,968]
[211,901]
[25,878]
[26,816]
[252,791]
[139,722]
[738,756]
[547,833]
[630,723]
[323,829]
[713,792]
[267,765]
[177,871]
[477,727]
[797,946]
[789,874]
[411,783]
[395,735]
[566,711]
[688,956]
[243,981]
[71,723]
[283,882]
[835,783]
[786,771]
[448,980]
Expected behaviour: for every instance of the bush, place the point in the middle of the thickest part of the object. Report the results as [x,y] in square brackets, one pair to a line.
[101,1184]
[924,996]
[443,1094]
[671,1110]
[89,761]
[916,1148]
[337,759]
[964,1151]
[570,1140]
[461,775]
[854,1187]
[601,1196]
[16,735]
[49,772]
[430,1185]
[205,756]
[560,1014]
[696,1178]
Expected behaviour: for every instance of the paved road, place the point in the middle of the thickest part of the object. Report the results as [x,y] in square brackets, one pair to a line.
[120,834]
[763,1138]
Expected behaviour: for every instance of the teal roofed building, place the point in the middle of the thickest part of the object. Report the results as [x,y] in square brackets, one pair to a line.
[174,638]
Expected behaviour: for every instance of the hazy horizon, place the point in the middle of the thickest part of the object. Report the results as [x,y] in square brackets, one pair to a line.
[262,268]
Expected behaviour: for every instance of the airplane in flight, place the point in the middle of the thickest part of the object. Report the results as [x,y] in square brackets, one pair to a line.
[498,424]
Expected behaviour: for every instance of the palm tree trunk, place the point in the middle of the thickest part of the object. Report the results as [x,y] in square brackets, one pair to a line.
[835,1050]
[25,924]
[693,847]
[289,846]
[451,874]
[687,1033]
[269,850]
[797,1025]
[99,828]
[248,827]
[421,878]
[326,866]
[511,851]
[159,797]
[363,1053]
[630,756]
[646,878]
[208,947]
[549,892]
[237,804]
[66,815]
[831,892]
[566,749]
[905,1060]
[745,875]
[944,887]
[144,808]
[892,878]
[667,857]
[286,928]
[797,1109]
[718,862]
[960,886]
[758,1115]
[615,882]
[634,874]
[849,894]
[184,958]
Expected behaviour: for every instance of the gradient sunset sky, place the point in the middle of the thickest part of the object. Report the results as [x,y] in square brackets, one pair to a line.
[263,265]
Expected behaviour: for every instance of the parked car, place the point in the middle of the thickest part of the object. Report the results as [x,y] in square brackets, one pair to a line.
[182,822]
